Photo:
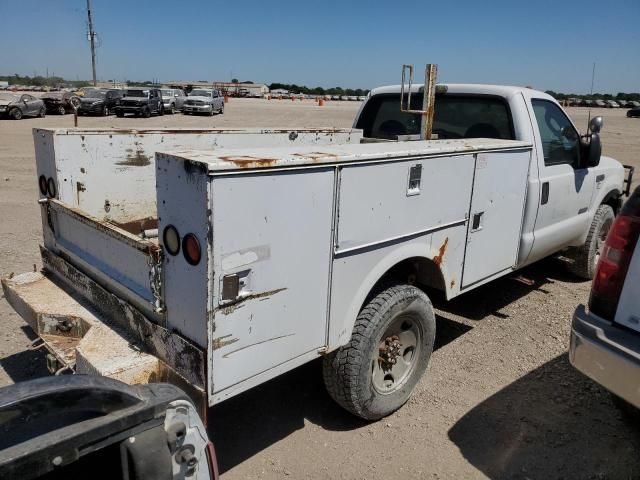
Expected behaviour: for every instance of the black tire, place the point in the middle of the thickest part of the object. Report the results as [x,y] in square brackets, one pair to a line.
[222,109]
[61,110]
[585,258]
[15,114]
[119,113]
[43,112]
[212,112]
[161,110]
[349,371]
[172,109]
[146,112]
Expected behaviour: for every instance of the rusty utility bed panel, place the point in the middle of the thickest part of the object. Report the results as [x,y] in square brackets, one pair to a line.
[292,239]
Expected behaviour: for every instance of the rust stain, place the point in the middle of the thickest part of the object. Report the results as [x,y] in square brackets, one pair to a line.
[452,284]
[223,341]
[245,161]
[441,251]
[135,159]
[231,307]
[315,156]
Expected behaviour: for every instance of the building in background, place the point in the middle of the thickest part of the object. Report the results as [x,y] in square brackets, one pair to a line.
[229,88]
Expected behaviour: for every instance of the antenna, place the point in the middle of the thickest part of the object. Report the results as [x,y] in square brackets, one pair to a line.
[92,40]
[593,76]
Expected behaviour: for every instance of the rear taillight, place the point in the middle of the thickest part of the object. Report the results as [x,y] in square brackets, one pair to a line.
[212,461]
[615,258]
[191,249]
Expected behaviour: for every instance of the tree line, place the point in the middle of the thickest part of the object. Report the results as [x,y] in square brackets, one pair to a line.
[292,87]
[595,96]
[40,81]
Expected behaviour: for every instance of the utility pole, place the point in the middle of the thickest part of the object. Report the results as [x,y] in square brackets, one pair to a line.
[92,40]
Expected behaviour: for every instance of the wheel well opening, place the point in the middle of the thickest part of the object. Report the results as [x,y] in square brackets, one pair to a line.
[614,200]
[419,271]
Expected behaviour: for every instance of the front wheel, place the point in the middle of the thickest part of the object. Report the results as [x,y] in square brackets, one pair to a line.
[392,340]
[62,110]
[146,112]
[42,112]
[172,109]
[15,113]
[119,113]
[585,258]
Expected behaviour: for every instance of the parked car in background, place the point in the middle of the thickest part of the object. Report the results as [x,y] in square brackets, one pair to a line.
[633,104]
[16,106]
[622,103]
[612,104]
[99,101]
[599,103]
[633,112]
[204,100]
[60,102]
[173,99]
[605,338]
[586,103]
[140,102]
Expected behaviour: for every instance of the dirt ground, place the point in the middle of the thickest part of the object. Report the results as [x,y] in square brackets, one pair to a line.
[499,400]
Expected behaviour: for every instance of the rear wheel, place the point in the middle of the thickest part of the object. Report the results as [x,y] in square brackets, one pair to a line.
[392,340]
[15,113]
[585,258]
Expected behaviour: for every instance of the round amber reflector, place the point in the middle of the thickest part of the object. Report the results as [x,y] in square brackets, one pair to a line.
[171,239]
[42,183]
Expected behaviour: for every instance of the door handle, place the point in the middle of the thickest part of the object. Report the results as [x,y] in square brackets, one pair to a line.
[545,193]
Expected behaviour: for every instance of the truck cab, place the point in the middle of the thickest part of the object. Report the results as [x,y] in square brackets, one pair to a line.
[564,189]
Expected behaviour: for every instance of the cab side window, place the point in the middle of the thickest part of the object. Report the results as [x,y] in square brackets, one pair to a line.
[560,141]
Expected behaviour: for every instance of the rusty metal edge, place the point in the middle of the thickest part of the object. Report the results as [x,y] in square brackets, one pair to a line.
[106,227]
[186,358]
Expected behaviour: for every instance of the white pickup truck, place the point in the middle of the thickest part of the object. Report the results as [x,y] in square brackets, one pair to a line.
[218,259]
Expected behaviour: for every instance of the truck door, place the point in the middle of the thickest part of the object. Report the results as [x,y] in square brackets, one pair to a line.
[566,186]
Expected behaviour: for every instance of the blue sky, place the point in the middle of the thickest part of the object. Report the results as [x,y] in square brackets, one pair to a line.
[546,44]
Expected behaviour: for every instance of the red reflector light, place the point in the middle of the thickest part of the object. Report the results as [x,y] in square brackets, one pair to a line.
[191,249]
[51,187]
[615,258]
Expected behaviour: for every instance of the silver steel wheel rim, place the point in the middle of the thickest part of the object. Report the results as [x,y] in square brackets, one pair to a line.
[602,237]
[388,377]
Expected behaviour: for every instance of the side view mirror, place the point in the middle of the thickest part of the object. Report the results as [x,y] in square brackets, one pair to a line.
[590,149]
[595,124]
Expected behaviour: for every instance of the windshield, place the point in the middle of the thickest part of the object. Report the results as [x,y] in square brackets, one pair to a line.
[200,93]
[8,96]
[167,93]
[137,93]
[455,116]
[95,94]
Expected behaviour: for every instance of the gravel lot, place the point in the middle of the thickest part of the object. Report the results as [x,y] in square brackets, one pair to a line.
[499,400]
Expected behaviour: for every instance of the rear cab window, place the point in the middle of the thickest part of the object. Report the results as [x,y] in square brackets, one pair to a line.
[455,116]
